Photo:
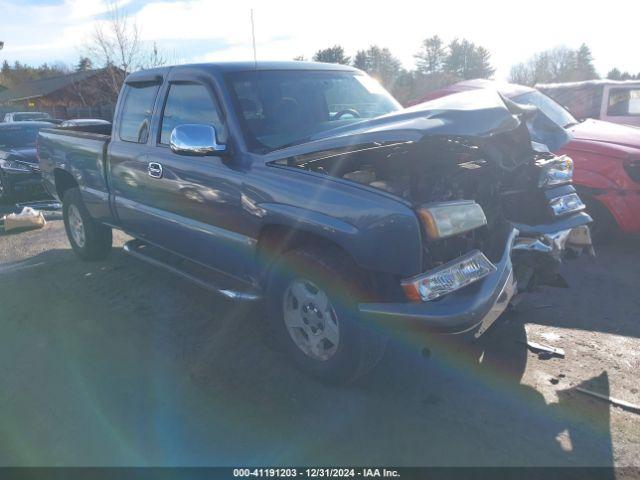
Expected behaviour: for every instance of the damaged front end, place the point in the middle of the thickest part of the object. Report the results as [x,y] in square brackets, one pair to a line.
[537,255]
[497,215]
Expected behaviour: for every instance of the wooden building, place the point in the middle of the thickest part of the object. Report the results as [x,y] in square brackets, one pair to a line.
[79,94]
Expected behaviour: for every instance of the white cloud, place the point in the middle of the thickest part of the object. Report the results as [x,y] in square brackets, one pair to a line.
[287,28]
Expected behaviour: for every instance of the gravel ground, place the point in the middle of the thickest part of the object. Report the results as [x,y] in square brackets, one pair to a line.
[118,363]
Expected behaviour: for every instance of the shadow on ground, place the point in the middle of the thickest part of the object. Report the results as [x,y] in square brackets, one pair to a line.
[603,294]
[117,363]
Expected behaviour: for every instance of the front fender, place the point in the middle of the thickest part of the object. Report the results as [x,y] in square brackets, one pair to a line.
[390,243]
[592,180]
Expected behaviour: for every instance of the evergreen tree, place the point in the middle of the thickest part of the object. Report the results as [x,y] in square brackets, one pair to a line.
[466,60]
[585,70]
[84,64]
[361,60]
[431,56]
[379,63]
[18,73]
[333,54]
[614,74]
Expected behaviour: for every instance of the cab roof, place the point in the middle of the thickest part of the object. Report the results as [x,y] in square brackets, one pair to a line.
[597,82]
[231,67]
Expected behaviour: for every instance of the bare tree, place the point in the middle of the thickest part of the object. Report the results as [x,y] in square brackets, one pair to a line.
[155,58]
[116,46]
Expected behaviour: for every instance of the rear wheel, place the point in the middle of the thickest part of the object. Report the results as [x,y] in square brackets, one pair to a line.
[312,299]
[88,238]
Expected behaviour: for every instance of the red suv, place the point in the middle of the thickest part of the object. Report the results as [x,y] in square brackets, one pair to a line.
[606,155]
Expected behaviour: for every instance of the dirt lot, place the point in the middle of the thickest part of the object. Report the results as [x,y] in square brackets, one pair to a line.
[118,363]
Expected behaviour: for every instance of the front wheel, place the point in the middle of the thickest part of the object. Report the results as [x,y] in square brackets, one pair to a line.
[312,299]
[604,227]
[88,238]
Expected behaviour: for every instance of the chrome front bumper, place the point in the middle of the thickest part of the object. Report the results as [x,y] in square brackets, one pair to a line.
[555,243]
[475,306]
[479,305]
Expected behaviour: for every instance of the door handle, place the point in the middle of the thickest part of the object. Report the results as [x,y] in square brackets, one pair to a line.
[154,169]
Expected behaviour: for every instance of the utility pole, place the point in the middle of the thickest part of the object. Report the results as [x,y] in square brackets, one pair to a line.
[253,39]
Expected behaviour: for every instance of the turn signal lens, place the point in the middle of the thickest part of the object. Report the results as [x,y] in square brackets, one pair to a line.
[448,278]
[445,219]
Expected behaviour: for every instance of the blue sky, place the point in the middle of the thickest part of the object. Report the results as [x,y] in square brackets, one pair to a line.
[35,31]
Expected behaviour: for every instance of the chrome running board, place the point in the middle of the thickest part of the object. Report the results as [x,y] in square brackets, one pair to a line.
[201,276]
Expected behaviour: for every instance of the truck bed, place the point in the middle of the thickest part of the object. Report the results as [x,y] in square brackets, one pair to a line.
[80,151]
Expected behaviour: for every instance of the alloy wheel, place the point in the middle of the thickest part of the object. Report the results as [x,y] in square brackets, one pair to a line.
[76,226]
[311,320]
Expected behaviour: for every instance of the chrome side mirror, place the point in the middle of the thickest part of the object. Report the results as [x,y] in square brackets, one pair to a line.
[195,139]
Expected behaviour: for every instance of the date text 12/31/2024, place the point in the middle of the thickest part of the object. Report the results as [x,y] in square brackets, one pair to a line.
[316,472]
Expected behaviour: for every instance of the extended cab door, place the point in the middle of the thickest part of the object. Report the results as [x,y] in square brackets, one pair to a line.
[129,182]
[191,205]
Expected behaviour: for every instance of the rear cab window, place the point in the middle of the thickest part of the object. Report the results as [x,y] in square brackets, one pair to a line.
[135,120]
[624,102]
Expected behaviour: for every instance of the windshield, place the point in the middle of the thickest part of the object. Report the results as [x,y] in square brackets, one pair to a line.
[549,107]
[18,137]
[281,108]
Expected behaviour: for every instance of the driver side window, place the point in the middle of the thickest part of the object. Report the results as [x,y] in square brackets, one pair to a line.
[190,103]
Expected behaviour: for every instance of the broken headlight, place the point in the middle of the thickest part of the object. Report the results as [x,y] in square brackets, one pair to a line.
[566,204]
[555,171]
[448,278]
[445,219]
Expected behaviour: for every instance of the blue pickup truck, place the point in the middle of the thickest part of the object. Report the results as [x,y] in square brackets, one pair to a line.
[308,187]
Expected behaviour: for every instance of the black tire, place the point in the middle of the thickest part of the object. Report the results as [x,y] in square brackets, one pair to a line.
[359,347]
[6,192]
[97,237]
[604,227]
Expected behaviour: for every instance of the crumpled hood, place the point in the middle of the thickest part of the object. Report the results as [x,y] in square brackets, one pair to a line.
[478,113]
[606,132]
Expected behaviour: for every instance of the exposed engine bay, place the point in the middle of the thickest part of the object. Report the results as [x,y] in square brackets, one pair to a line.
[501,173]
[438,168]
